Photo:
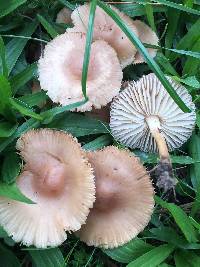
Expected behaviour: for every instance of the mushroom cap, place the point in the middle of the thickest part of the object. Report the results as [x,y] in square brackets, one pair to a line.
[59,179]
[146,35]
[64,16]
[60,71]
[106,29]
[146,100]
[124,199]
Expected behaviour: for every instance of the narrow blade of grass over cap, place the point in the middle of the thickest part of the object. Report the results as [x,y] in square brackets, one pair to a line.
[171,4]
[88,46]
[152,64]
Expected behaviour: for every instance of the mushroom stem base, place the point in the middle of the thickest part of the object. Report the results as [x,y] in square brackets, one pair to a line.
[164,173]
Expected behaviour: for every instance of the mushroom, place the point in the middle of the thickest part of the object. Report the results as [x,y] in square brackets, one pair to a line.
[64,16]
[60,71]
[59,179]
[106,29]
[124,199]
[145,116]
[146,35]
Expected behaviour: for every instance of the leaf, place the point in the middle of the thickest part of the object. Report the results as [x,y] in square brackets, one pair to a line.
[48,27]
[198,120]
[27,125]
[195,223]
[164,62]
[150,16]
[134,10]
[5,93]
[88,46]
[130,251]
[5,90]
[11,168]
[78,125]
[154,257]
[154,158]
[186,259]
[152,64]
[188,39]
[178,6]
[15,47]
[3,58]
[8,6]
[178,51]
[192,64]
[190,81]
[12,191]
[194,151]
[98,143]
[23,109]
[7,129]
[35,99]
[51,113]
[8,258]
[67,4]
[169,235]
[47,257]
[180,218]
[23,77]
[173,19]
[2,232]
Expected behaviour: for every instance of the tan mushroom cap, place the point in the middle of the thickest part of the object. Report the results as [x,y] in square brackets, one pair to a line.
[106,29]
[59,179]
[124,199]
[145,109]
[60,71]
[146,35]
[64,16]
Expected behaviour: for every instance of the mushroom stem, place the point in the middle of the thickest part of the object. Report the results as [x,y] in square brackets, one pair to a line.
[161,143]
[164,169]
[154,126]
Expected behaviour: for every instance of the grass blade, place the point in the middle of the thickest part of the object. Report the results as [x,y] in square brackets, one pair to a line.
[48,27]
[23,77]
[152,64]
[88,46]
[180,218]
[9,5]
[153,257]
[3,58]
[150,16]
[173,19]
[15,47]
[67,4]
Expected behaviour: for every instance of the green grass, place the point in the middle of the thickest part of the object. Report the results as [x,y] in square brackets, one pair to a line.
[172,239]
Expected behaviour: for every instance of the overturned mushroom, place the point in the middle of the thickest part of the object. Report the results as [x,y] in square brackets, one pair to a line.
[145,116]
[60,71]
[106,29]
[59,179]
[64,16]
[124,199]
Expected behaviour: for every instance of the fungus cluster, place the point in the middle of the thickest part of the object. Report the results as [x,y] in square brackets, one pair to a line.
[106,196]
[106,29]
[60,67]
[61,179]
